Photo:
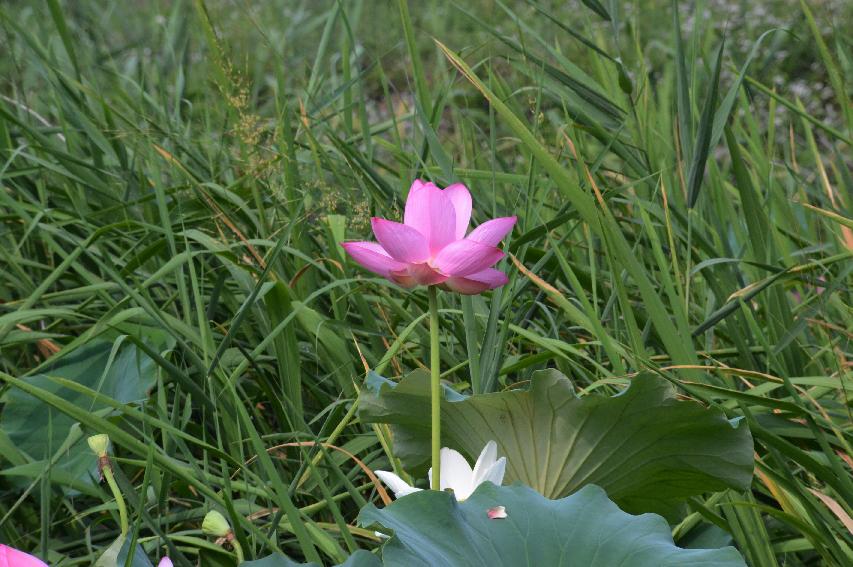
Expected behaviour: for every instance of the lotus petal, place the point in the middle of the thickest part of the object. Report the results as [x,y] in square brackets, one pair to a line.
[492,232]
[489,278]
[373,257]
[461,199]
[430,211]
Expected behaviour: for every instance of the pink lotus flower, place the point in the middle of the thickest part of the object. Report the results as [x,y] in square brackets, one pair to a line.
[430,247]
[11,557]
[165,562]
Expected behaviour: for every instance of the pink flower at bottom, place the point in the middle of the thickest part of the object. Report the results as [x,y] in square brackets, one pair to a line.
[165,562]
[11,557]
[430,247]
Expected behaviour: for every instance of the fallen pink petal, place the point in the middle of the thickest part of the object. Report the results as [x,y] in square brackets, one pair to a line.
[496,513]
[430,246]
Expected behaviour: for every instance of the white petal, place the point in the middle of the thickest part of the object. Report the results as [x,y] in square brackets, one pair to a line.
[399,486]
[456,473]
[487,458]
[495,474]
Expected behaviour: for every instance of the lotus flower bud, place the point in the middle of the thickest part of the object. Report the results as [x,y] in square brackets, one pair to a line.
[99,444]
[215,525]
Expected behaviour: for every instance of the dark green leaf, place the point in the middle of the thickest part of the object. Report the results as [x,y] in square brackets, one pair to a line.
[646,448]
[357,559]
[40,430]
[584,530]
[596,7]
[703,138]
[116,555]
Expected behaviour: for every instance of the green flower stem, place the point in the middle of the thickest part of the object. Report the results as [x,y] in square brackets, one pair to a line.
[122,508]
[331,439]
[237,550]
[435,387]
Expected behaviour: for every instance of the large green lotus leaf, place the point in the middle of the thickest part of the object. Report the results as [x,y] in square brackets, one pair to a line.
[116,555]
[39,430]
[357,559]
[585,529]
[646,448]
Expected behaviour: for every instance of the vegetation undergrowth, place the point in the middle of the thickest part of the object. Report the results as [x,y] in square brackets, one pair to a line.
[176,179]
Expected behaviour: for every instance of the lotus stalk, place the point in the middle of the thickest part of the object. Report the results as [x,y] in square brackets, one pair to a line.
[430,248]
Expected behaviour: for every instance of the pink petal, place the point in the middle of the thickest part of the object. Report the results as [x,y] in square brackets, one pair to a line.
[424,274]
[372,256]
[477,283]
[416,205]
[11,557]
[492,232]
[417,274]
[165,562]
[496,513]
[466,257]
[403,279]
[402,242]
[461,199]
[430,211]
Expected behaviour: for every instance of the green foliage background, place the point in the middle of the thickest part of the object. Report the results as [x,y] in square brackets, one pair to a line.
[176,177]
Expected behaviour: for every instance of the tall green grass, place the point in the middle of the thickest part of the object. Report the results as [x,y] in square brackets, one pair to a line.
[185,171]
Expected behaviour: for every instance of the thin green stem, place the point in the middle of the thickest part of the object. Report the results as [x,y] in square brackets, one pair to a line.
[435,387]
[237,550]
[122,507]
[332,438]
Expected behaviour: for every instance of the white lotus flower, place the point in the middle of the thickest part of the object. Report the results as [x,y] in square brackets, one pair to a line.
[456,473]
